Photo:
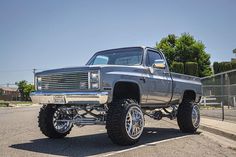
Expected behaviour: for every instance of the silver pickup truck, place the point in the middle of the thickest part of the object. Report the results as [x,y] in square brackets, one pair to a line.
[116,88]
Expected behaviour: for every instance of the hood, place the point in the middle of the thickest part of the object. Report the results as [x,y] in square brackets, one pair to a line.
[69,69]
[88,68]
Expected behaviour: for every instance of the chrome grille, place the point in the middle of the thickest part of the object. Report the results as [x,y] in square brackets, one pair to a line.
[65,81]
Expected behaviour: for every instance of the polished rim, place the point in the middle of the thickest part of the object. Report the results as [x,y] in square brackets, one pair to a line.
[58,123]
[134,122]
[195,116]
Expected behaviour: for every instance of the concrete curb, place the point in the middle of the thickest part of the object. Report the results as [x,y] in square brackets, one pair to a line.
[218,132]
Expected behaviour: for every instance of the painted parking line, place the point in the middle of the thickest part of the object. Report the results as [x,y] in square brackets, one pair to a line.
[144,145]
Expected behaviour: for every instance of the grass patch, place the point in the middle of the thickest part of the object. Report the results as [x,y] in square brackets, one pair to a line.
[20,102]
[4,104]
[15,103]
[210,107]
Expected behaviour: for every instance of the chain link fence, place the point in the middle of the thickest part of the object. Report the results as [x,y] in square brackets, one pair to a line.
[219,96]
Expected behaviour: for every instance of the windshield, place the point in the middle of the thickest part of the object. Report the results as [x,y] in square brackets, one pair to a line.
[127,56]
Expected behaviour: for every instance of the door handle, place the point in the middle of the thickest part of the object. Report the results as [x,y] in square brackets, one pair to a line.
[166,72]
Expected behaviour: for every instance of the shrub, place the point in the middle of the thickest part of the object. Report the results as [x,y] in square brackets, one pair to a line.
[225,66]
[178,67]
[233,64]
[191,68]
[228,66]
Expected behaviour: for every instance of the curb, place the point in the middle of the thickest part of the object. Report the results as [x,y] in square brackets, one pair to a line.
[218,132]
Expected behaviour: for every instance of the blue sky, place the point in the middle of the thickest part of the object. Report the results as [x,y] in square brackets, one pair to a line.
[50,34]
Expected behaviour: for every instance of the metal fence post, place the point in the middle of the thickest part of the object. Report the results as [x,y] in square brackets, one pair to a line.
[223,114]
[204,99]
[222,89]
[227,79]
[234,101]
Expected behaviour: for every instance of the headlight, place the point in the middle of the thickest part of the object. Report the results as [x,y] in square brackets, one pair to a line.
[94,77]
[94,80]
[38,83]
[39,79]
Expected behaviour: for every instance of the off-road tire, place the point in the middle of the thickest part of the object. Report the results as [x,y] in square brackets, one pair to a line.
[184,117]
[45,122]
[115,123]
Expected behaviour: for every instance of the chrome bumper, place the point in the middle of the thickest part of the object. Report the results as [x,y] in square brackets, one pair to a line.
[69,97]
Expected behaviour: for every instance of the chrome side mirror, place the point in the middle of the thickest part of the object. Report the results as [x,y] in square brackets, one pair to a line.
[159,64]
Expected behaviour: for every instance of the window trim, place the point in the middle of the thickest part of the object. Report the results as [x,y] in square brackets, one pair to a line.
[146,61]
[90,61]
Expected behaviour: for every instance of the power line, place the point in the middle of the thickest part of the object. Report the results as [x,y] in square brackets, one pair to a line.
[9,71]
[7,84]
[14,83]
[19,70]
[11,84]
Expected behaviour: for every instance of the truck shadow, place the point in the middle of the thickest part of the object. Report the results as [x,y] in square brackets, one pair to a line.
[93,144]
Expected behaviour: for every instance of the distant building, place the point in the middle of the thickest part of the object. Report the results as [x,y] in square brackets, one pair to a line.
[9,93]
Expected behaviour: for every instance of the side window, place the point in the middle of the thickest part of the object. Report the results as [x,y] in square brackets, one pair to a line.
[151,57]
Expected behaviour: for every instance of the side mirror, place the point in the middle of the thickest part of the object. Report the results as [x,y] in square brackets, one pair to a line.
[159,64]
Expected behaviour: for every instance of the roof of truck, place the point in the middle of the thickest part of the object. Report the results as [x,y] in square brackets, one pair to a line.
[143,47]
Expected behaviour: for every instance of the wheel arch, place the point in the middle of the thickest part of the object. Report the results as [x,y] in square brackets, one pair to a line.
[126,89]
[189,95]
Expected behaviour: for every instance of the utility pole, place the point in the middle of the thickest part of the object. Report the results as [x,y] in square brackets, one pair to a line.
[34,71]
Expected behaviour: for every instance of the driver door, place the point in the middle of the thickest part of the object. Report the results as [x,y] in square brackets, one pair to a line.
[159,82]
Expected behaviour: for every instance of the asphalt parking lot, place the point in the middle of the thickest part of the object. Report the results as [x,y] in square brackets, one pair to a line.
[20,136]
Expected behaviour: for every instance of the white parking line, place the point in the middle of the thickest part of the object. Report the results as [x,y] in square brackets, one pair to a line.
[144,145]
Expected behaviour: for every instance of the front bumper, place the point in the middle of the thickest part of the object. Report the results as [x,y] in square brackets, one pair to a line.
[39,97]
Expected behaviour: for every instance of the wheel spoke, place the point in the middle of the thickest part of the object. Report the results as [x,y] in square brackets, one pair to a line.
[195,116]
[134,122]
[60,126]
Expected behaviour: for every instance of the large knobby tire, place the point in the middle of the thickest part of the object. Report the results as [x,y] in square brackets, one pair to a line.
[46,122]
[188,117]
[124,122]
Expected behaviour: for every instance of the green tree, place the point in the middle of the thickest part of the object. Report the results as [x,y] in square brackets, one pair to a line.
[168,46]
[25,89]
[185,49]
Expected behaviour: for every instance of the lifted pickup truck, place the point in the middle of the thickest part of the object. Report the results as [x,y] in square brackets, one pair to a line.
[116,88]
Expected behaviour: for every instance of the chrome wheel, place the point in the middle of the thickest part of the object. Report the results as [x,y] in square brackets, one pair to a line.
[59,121]
[195,116]
[134,122]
